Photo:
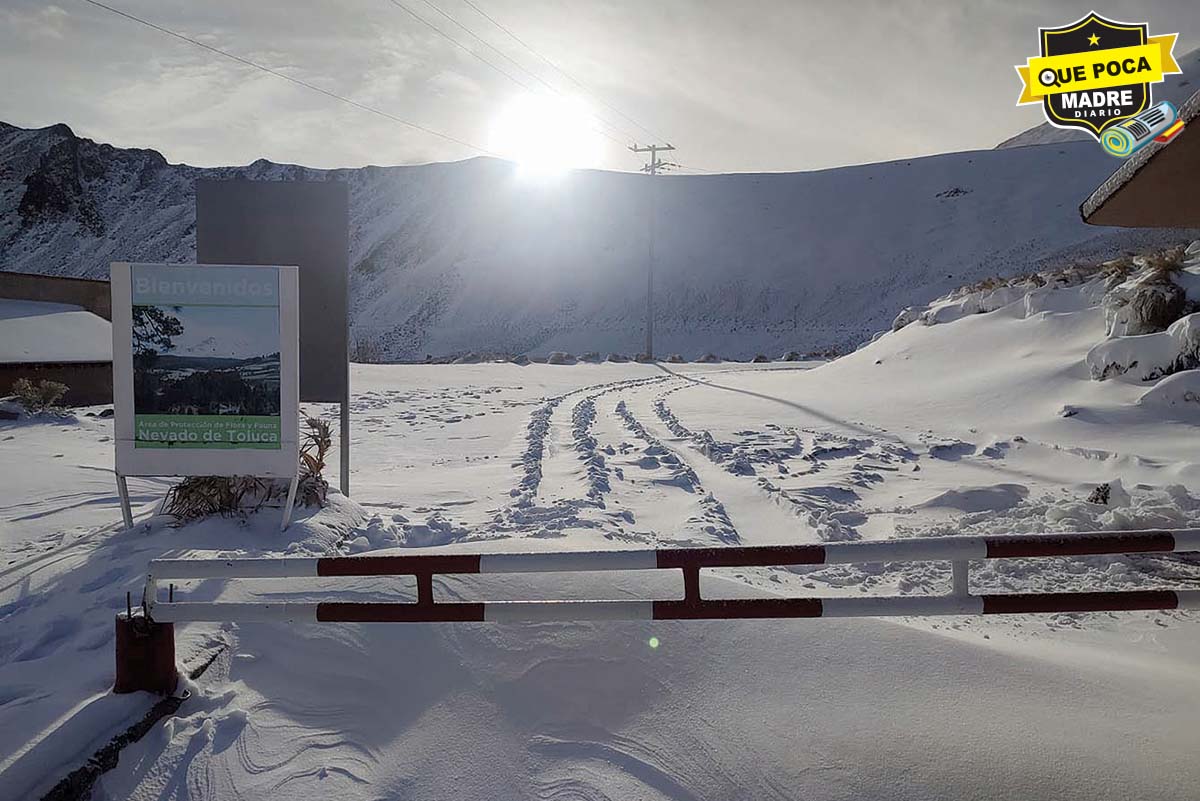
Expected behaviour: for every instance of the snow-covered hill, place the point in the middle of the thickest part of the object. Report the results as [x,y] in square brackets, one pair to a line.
[449,258]
[1176,88]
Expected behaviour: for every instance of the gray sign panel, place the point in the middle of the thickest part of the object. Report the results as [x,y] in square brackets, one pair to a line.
[301,223]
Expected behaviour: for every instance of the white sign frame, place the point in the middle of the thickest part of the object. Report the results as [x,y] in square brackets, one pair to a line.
[132,461]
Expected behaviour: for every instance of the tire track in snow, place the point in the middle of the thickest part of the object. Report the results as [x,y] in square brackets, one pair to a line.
[582,418]
[757,520]
[525,513]
[715,518]
[821,515]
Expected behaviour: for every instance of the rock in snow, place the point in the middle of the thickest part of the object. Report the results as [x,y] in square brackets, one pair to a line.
[1179,392]
[1149,356]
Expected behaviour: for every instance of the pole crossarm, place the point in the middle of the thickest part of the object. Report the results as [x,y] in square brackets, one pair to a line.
[959,550]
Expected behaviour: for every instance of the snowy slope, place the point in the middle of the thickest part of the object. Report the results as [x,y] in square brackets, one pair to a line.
[449,258]
[1176,88]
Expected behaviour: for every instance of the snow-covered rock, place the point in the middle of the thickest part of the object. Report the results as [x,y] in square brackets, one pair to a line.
[1149,356]
[907,315]
[1180,391]
[1144,304]
[979,302]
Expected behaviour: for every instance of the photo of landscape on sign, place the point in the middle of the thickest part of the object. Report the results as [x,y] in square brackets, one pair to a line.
[206,357]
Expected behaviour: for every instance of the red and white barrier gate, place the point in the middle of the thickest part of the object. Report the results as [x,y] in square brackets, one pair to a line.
[958,550]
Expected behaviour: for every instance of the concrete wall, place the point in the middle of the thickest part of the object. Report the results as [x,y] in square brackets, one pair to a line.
[91,295]
[90,382]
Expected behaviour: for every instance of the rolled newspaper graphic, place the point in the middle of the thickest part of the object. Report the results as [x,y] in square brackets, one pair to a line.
[1128,137]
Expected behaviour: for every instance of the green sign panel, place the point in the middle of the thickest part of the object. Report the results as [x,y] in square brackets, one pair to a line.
[206,361]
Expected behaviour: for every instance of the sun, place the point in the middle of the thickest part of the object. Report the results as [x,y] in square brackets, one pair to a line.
[546,135]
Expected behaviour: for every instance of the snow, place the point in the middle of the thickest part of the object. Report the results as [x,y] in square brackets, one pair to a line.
[33,332]
[930,430]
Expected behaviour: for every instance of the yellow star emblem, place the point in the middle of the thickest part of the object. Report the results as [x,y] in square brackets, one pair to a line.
[1094,39]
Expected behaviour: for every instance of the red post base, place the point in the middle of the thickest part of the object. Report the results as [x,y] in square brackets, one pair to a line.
[145,656]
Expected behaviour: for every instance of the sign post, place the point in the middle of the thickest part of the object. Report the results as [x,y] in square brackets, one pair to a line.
[205,372]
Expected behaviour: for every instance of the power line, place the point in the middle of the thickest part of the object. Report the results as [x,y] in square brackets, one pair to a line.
[560,70]
[518,65]
[468,50]
[297,81]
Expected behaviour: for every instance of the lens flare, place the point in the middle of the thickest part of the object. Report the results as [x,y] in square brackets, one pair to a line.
[652,642]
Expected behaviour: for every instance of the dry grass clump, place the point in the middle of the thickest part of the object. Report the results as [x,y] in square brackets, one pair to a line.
[228,496]
[44,396]
[1157,265]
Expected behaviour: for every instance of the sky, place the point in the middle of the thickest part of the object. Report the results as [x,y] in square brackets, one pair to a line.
[735,85]
[239,333]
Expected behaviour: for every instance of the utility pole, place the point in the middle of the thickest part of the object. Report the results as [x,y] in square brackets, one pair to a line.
[652,168]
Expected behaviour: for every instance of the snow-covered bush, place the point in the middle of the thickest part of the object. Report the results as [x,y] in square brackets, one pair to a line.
[44,396]
[560,357]
[708,358]
[1149,356]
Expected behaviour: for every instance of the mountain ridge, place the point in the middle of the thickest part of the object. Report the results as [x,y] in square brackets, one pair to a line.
[449,258]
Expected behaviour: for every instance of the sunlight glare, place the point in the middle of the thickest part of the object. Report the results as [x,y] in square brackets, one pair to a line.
[546,136]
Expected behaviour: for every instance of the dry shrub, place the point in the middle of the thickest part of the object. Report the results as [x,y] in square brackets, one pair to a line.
[228,496]
[1162,262]
[44,396]
[204,496]
[366,350]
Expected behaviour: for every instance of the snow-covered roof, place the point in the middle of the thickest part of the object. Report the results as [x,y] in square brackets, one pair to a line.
[1155,187]
[34,332]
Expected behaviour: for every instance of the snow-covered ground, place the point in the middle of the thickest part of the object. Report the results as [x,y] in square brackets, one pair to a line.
[984,421]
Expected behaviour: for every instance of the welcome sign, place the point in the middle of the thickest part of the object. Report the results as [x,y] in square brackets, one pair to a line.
[205,369]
